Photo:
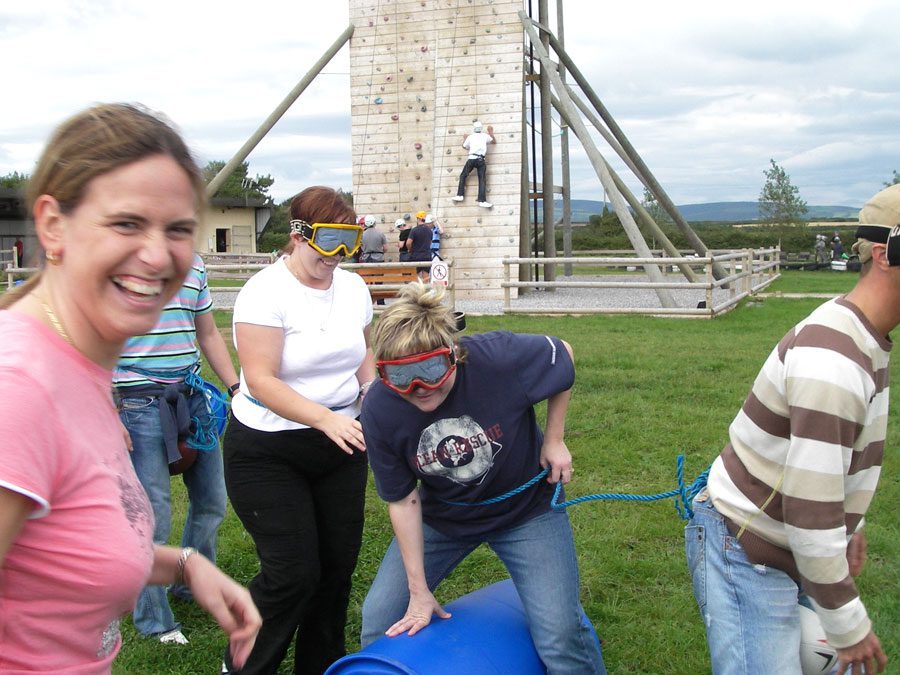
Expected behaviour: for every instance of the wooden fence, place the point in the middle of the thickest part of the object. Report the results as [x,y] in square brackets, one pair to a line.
[749,271]
[245,268]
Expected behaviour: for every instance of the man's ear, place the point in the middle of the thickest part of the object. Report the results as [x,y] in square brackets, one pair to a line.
[879,256]
[49,223]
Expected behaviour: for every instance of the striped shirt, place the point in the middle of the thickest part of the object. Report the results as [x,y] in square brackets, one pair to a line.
[804,458]
[172,343]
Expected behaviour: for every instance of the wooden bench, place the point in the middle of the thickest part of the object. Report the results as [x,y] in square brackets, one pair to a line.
[385,280]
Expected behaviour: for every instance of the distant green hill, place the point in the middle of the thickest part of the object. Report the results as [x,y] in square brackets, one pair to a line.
[725,212]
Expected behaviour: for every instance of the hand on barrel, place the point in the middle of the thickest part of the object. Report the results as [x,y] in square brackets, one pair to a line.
[418,615]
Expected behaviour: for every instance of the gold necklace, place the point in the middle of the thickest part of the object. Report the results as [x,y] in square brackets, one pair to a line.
[103,383]
[55,322]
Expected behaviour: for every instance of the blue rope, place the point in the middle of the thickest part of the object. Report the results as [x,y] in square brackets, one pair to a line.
[505,495]
[682,505]
[210,427]
[206,429]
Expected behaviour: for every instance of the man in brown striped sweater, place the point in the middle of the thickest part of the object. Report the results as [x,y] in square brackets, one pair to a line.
[783,511]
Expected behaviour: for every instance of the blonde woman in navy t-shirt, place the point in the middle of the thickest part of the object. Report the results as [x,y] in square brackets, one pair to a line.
[452,422]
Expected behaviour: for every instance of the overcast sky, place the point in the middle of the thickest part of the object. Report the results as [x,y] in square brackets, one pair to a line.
[706,91]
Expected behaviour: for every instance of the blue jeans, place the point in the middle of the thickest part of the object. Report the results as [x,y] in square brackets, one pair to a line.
[540,557]
[749,610]
[205,484]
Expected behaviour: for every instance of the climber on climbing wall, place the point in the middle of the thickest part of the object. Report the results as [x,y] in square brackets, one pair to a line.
[476,143]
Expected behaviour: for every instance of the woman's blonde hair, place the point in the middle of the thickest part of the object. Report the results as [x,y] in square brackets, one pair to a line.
[417,322]
[93,143]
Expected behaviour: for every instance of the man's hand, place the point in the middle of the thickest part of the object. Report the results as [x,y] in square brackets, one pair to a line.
[865,657]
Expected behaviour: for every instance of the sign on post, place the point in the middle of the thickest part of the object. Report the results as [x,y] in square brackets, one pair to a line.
[440,273]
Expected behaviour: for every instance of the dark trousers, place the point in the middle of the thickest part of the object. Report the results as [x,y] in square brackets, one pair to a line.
[301,498]
[479,165]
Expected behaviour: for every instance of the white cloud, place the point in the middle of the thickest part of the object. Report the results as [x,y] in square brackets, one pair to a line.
[706,91]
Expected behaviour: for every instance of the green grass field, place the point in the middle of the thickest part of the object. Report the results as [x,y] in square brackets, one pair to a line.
[647,389]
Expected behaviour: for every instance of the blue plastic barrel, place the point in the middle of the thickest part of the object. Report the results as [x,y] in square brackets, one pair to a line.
[487,634]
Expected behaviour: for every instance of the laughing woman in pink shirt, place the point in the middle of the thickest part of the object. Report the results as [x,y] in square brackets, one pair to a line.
[116,199]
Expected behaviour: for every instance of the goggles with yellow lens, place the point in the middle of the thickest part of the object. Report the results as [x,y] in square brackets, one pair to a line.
[329,238]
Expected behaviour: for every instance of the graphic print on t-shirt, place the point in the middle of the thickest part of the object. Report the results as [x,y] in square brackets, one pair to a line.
[458,449]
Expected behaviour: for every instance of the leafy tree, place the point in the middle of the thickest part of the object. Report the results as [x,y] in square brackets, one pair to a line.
[239,183]
[346,196]
[277,232]
[779,199]
[654,208]
[14,180]
[895,180]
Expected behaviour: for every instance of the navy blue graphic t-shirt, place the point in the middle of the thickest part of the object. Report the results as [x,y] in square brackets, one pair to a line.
[481,442]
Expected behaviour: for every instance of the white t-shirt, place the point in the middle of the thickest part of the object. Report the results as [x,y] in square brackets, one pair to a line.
[477,143]
[324,344]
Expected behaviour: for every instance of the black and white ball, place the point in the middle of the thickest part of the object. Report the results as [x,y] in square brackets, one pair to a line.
[816,655]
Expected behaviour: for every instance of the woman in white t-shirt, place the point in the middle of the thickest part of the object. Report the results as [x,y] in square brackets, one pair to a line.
[295,466]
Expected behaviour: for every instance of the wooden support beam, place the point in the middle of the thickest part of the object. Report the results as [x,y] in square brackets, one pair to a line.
[644,172]
[621,208]
[276,114]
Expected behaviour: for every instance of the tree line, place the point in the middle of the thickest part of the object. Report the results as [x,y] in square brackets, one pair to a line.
[239,185]
[782,214]
[782,218]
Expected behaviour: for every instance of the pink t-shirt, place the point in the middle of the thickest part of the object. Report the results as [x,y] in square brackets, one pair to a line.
[83,556]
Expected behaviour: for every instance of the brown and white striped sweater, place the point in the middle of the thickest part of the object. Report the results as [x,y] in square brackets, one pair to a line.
[804,458]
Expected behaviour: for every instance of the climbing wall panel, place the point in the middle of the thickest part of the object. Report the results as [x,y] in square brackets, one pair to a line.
[421,73]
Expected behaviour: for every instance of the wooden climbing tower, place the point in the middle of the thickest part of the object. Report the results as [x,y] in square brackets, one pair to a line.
[421,72]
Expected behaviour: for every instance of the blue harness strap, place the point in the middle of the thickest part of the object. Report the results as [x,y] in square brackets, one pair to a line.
[263,405]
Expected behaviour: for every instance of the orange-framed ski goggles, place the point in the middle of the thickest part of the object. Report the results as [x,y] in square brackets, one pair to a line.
[428,370]
[329,238]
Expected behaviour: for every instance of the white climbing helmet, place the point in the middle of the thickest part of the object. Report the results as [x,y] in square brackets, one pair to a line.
[370,221]
[476,127]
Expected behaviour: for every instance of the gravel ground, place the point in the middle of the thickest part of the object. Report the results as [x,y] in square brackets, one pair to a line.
[566,298]
[593,298]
